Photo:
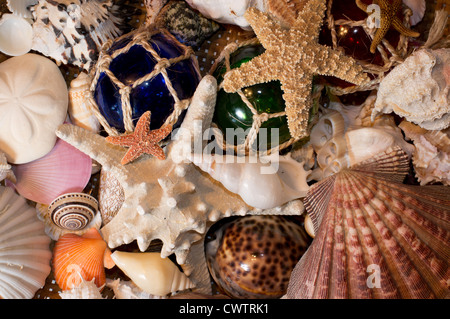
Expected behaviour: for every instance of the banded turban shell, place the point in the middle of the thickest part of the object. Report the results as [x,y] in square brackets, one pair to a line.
[73,211]
[375,237]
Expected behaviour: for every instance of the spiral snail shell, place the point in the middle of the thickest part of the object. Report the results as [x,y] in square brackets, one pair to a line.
[73,211]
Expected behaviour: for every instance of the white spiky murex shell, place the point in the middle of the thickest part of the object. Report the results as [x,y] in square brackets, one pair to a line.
[24,248]
[85,290]
[73,31]
[374,236]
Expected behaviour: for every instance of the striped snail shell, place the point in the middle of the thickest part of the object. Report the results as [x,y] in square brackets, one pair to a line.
[73,211]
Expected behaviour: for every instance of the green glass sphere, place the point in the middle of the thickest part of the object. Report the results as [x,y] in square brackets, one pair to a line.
[231,112]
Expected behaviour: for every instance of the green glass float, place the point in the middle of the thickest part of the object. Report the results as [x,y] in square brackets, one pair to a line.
[231,111]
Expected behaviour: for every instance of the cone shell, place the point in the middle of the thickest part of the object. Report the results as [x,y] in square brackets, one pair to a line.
[77,258]
[24,248]
[64,170]
[375,238]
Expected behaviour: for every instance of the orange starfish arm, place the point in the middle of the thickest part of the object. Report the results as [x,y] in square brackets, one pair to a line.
[159,134]
[143,125]
[133,153]
[123,140]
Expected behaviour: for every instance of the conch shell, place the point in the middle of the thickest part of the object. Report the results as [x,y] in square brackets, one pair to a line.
[374,236]
[153,274]
[418,90]
[431,157]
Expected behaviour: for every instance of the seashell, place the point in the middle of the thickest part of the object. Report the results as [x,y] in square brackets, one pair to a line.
[77,258]
[309,227]
[34,99]
[16,35]
[153,7]
[72,32]
[153,274]
[24,248]
[80,110]
[73,211]
[21,7]
[232,12]
[128,290]
[85,290]
[431,157]
[110,196]
[63,170]
[261,183]
[418,8]
[253,256]
[418,90]
[375,237]
[5,169]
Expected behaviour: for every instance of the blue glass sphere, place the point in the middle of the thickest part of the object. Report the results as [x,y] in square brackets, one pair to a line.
[152,95]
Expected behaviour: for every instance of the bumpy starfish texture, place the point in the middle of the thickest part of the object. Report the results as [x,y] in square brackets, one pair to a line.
[142,140]
[168,200]
[388,18]
[293,56]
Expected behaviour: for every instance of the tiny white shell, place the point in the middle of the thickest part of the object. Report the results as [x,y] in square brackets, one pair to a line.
[85,290]
[16,35]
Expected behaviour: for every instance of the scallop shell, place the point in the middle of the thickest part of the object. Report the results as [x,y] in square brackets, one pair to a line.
[21,7]
[375,237]
[418,90]
[72,32]
[33,104]
[431,158]
[77,258]
[24,248]
[153,274]
[64,170]
[16,35]
[80,110]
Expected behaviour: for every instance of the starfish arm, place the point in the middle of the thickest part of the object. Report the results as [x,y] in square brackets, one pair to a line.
[258,70]
[334,63]
[133,153]
[400,27]
[127,140]
[158,135]
[156,151]
[266,29]
[310,19]
[143,125]
[361,5]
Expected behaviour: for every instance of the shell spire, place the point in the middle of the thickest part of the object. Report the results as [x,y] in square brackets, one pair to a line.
[375,238]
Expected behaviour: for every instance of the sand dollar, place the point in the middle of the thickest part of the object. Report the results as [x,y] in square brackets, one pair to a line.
[33,103]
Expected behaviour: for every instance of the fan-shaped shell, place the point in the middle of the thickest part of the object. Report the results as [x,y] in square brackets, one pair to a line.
[63,170]
[24,248]
[16,35]
[77,258]
[33,103]
[375,237]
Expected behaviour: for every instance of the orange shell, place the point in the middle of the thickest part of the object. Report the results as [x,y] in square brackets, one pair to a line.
[77,256]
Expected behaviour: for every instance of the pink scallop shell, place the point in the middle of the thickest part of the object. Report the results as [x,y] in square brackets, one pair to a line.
[63,170]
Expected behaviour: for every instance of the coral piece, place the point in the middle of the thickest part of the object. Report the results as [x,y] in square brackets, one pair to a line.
[388,18]
[80,108]
[253,256]
[24,248]
[77,258]
[153,274]
[72,32]
[375,237]
[63,170]
[418,90]
[16,35]
[6,171]
[431,157]
[261,182]
[33,103]
[142,140]
[293,56]
[169,200]
[85,290]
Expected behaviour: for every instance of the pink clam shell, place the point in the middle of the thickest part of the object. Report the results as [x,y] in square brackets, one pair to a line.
[63,170]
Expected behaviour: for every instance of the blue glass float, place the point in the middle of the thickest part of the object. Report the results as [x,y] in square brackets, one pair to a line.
[152,95]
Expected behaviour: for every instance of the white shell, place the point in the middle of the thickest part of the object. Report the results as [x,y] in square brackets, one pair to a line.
[128,290]
[418,90]
[33,103]
[16,35]
[418,8]
[85,290]
[80,110]
[21,7]
[262,184]
[24,248]
[153,274]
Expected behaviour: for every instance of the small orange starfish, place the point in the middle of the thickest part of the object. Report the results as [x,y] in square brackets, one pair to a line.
[142,140]
[388,18]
